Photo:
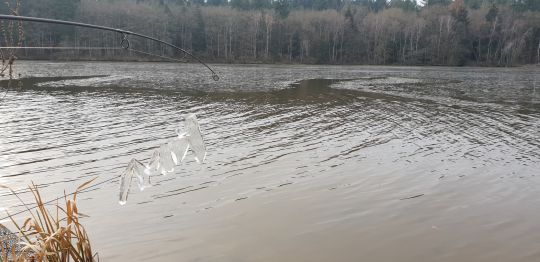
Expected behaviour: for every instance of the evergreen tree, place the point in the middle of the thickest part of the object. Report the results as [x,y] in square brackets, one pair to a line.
[197,2]
[216,2]
[305,4]
[461,53]
[438,2]
[199,33]
[407,5]
[240,4]
[474,4]
[527,5]
[378,5]
[282,8]
[63,9]
[492,13]
[326,4]
[260,4]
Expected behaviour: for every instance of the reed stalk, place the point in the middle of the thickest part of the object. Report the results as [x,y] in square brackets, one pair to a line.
[49,234]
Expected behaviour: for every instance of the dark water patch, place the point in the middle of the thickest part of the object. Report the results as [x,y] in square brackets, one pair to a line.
[33,82]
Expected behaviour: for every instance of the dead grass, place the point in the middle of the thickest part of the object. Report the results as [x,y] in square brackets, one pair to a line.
[47,235]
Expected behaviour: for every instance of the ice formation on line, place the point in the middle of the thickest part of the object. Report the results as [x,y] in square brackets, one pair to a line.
[165,158]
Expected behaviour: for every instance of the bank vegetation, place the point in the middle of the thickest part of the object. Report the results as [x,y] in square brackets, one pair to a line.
[375,32]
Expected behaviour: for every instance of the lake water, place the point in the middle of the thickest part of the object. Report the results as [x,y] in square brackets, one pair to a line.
[305,163]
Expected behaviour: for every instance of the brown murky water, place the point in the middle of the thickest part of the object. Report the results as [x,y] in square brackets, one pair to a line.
[305,163]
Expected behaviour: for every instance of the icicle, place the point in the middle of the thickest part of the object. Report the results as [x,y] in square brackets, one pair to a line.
[165,158]
[134,168]
[166,162]
[195,139]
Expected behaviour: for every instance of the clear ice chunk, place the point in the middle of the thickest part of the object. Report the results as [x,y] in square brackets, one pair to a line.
[153,166]
[161,162]
[179,147]
[165,158]
[134,169]
[195,139]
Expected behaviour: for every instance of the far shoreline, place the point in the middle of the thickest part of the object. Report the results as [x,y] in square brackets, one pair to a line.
[269,64]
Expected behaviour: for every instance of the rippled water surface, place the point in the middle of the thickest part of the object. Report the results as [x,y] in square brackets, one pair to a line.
[305,163]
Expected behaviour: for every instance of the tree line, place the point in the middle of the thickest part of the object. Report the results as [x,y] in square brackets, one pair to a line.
[378,32]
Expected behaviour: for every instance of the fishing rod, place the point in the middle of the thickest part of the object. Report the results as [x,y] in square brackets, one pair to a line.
[125,41]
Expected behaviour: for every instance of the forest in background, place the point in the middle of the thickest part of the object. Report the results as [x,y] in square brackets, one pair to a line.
[375,32]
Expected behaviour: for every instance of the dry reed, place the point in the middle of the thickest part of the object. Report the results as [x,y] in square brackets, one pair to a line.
[50,236]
